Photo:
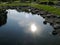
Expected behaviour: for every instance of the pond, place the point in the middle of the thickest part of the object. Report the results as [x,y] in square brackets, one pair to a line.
[23,28]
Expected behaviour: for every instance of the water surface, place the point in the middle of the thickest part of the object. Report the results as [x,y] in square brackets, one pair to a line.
[23,28]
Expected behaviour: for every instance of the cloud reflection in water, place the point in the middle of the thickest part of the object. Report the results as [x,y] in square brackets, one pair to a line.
[30,22]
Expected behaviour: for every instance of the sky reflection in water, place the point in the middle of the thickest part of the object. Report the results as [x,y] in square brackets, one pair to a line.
[28,28]
[31,23]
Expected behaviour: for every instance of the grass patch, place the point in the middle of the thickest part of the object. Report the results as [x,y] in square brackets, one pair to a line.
[50,9]
[39,6]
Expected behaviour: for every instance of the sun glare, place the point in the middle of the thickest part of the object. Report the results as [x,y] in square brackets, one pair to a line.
[33,27]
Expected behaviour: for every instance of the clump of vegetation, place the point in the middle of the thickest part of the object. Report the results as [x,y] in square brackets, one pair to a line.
[33,3]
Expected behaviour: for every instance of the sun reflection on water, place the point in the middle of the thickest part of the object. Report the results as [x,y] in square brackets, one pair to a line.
[33,28]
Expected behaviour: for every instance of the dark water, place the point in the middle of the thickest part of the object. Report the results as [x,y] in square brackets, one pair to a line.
[22,28]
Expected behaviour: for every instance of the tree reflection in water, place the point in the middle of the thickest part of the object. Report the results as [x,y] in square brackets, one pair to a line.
[3,17]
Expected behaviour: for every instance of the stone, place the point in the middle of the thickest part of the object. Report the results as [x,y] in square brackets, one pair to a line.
[58,17]
[56,26]
[54,33]
[44,22]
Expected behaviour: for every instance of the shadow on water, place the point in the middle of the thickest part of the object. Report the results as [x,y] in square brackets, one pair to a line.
[3,17]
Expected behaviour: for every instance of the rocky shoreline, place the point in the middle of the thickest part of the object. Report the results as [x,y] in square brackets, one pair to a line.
[52,19]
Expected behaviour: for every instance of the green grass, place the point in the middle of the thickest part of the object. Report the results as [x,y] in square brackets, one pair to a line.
[50,9]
